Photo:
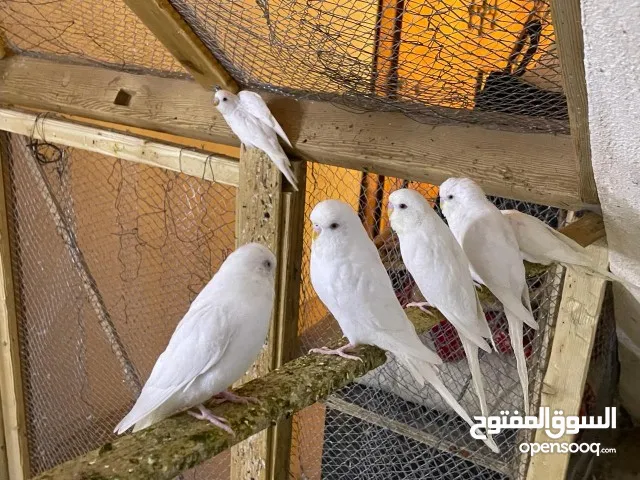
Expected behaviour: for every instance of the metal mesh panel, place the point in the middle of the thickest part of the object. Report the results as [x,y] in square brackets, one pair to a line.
[96,31]
[148,240]
[487,61]
[384,425]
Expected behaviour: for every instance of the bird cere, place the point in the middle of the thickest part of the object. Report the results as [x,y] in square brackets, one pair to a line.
[225,327]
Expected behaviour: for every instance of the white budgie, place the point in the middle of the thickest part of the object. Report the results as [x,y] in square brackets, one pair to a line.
[214,344]
[350,279]
[251,120]
[441,270]
[490,244]
[539,243]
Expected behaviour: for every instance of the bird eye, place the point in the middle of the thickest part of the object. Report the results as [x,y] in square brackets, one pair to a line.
[224,99]
[267,263]
[333,226]
[449,197]
[402,206]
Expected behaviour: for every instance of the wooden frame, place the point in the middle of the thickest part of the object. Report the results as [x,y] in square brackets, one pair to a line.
[13,415]
[173,32]
[528,166]
[216,168]
[577,321]
[568,30]
[274,218]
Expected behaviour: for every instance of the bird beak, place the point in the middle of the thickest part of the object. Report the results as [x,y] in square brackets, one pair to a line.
[216,102]
[316,231]
[390,207]
[437,202]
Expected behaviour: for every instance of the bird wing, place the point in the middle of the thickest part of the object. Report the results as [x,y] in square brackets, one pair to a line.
[379,310]
[254,104]
[198,343]
[443,271]
[543,243]
[493,251]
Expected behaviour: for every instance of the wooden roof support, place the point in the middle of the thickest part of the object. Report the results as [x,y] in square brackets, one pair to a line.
[136,149]
[527,166]
[568,30]
[173,32]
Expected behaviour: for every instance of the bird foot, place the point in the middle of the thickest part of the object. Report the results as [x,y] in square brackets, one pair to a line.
[341,352]
[422,306]
[206,414]
[231,397]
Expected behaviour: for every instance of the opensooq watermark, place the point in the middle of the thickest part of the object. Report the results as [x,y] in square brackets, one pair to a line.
[555,426]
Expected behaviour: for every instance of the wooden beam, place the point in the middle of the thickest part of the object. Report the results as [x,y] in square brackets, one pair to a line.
[568,365]
[286,327]
[534,167]
[127,147]
[176,35]
[15,426]
[568,31]
[586,230]
[4,465]
[259,219]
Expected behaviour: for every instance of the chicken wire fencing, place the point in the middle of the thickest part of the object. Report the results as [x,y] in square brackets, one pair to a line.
[384,425]
[492,62]
[488,61]
[103,32]
[107,256]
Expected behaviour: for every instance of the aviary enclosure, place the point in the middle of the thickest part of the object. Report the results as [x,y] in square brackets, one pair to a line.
[124,190]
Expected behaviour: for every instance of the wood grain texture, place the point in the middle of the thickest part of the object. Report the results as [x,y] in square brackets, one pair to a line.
[564,380]
[568,30]
[127,147]
[286,327]
[13,414]
[174,33]
[259,219]
[586,230]
[527,166]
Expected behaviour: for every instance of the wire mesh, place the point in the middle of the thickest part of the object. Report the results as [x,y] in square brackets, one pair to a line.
[487,61]
[147,240]
[104,32]
[384,425]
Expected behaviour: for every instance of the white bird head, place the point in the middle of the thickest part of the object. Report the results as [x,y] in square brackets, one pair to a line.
[457,194]
[335,225]
[251,258]
[407,209]
[224,101]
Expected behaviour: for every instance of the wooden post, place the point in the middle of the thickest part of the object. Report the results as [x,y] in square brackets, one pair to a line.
[568,30]
[175,34]
[286,327]
[258,219]
[15,428]
[563,383]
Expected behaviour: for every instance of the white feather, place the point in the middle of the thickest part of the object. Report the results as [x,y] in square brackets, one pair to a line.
[214,344]
[250,119]
[492,249]
[441,270]
[350,279]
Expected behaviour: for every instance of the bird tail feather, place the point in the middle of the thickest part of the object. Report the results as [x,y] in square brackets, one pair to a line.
[516,334]
[423,372]
[282,162]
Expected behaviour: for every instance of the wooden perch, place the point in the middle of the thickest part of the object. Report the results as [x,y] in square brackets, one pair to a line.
[179,443]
